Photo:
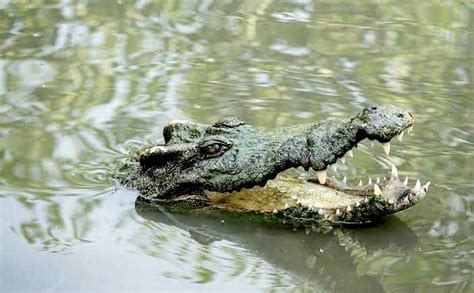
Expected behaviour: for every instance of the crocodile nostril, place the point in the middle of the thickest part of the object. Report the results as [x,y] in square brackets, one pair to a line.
[373,108]
[401,115]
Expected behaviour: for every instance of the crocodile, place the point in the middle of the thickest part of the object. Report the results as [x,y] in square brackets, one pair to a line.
[238,168]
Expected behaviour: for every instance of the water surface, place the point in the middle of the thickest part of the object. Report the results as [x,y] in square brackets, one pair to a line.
[84,82]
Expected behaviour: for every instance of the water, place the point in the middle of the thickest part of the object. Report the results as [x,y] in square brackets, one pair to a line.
[84,82]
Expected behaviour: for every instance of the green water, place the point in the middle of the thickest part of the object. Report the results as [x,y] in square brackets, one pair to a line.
[84,82]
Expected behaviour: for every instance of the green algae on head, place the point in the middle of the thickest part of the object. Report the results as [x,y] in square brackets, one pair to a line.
[229,156]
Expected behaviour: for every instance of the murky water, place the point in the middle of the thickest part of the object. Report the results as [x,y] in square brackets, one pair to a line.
[84,82]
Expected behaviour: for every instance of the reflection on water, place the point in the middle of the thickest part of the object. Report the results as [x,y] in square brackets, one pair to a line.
[327,260]
[83,83]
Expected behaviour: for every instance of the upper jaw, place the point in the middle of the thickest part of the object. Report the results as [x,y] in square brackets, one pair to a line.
[383,122]
[357,129]
[371,132]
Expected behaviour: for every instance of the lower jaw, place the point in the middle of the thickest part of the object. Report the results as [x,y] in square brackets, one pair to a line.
[306,202]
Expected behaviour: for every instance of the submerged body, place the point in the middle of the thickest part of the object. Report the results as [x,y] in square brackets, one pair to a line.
[231,166]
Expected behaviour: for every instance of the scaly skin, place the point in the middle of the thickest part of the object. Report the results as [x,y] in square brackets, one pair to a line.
[207,165]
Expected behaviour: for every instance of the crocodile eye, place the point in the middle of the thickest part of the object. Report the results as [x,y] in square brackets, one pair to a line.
[212,149]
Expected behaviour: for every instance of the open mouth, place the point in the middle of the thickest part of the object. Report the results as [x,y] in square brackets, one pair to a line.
[319,197]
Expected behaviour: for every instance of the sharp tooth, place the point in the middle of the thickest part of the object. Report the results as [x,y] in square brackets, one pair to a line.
[377,190]
[286,206]
[322,175]
[357,204]
[400,136]
[344,180]
[406,200]
[343,160]
[377,180]
[410,129]
[394,171]
[366,199]
[321,211]
[425,187]
[405,182]
[349,208]
[338,212]
[417,187]
[275,211]
[390,201]
[360,183]
[370,181]
[418,184]
[334,167]
[386,148]
[350,153]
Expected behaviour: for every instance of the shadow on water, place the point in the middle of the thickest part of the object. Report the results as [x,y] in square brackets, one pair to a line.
[326,258]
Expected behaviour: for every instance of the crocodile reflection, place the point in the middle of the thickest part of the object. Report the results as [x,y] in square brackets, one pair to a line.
[323,256]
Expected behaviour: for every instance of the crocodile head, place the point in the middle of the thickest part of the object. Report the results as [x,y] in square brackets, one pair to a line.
[230,155]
